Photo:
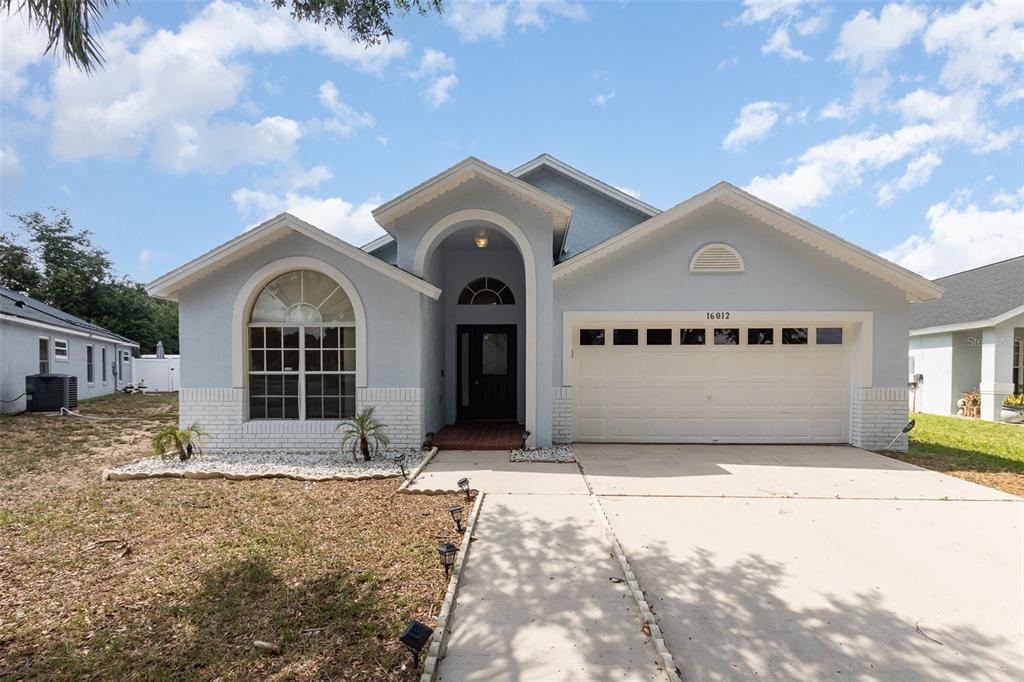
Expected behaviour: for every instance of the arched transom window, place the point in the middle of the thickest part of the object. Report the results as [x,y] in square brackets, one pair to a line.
[302,349]
[486,291]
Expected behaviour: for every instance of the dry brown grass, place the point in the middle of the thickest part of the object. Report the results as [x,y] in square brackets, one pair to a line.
[197,570]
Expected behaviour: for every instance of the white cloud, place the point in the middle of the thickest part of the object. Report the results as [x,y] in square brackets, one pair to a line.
[769,10]
[982,42]
[813,24]
[868,90]
[755,121]
[531,12]
[630,191]
[917,173]
[602,98]
[440,90]
[797,116]
[352,222]
[10,169]
[347,120]
[182,147]
[1009,199]
[834,110]
[166,85]
[382,140]
[728,63]
[779,44]
[23,46]
[296,177]
[433,61]
[960,237]
[930,122]
[868,43]
[147,257]
[474,20]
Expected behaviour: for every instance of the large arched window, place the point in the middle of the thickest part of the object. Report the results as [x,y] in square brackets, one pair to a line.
[486,291]
[302,349]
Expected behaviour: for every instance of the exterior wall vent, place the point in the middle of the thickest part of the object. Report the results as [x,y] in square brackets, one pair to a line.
[716,258]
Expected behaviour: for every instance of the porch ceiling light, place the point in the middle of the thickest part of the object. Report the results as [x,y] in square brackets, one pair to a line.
[480,240]
[464,486]
[414,638]
[446,553]
[456,511]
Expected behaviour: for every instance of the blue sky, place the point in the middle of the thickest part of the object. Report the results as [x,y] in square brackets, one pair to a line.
[896,126]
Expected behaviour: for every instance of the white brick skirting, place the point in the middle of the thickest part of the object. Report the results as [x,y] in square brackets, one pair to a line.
[561,417]
[876,416]
[221,413]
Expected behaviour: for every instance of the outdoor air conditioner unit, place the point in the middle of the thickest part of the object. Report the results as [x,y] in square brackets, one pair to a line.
[50,392]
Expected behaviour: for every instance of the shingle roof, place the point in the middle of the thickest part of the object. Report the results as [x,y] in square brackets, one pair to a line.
[974,295]
[28,308]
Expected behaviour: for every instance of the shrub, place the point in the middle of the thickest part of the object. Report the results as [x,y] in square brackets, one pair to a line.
[171,441]
[363,430]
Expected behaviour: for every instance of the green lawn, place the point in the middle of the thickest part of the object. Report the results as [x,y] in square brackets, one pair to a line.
[984,452]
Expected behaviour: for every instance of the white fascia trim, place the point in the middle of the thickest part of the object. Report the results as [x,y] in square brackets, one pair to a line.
[377,243]
[64,330]
[588,181]
[916,287]
[168,285]
[863,343]
[967,326]
[387,213]
[254,285]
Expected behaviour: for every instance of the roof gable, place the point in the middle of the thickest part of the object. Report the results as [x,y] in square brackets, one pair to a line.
[977,298]
[168,285]
[473,168]
[588,181]
[916,287]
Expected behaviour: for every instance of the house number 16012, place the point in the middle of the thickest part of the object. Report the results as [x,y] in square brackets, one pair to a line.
[718,316]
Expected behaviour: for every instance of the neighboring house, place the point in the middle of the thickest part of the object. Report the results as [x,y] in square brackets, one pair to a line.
[39,339]
[546,296]
[970,340]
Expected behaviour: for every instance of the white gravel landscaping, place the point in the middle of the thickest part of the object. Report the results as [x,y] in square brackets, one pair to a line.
[561,453]
[244,465]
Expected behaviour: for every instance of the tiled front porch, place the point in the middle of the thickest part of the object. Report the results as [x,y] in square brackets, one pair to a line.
[480,436]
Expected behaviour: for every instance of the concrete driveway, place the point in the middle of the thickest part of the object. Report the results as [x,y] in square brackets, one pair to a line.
[808,563]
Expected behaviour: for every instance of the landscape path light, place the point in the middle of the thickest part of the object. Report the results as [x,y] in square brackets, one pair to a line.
[414,638]
[456,511]
[446,553]
[464,487]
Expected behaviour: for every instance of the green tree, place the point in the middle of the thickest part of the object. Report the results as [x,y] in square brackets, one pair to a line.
[62,267]
[70,24]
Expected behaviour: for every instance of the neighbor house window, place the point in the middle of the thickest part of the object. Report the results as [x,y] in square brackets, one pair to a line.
[486,291]
[60,349]
[794,336]
[692,337]
[103,364]
[727,337]
[90,370]
[302,350]
[591,337]
[625,337]
[44,355]
[760,336]
[659,337]
[829,336]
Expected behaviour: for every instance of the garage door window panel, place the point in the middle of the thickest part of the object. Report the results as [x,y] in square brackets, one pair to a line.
[760,336]
[626,337]
[829,336]
[727,337]
[591,337]
[692,337]
[659,337]
[794,336]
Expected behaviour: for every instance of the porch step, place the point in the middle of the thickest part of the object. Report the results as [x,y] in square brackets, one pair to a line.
[480,436]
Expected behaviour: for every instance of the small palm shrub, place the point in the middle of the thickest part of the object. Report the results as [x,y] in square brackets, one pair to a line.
[1014,401]
[365,432]
[171,441]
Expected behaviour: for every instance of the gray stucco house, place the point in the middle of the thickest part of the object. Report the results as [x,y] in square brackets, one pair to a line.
[545,296]
[39,339]
[970,340]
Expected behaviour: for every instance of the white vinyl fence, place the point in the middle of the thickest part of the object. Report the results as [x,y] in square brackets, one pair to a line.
[159,374]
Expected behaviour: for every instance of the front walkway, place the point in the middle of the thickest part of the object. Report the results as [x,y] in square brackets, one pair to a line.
[542,597]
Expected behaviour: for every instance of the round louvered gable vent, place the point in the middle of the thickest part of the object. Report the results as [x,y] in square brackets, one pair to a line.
[716,258]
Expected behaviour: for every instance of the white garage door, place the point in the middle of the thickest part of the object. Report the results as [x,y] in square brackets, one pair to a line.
[729,384]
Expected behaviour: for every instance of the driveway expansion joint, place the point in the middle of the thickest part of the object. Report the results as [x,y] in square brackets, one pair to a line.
[649,619]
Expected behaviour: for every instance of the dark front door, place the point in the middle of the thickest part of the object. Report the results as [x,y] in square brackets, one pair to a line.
[487,371]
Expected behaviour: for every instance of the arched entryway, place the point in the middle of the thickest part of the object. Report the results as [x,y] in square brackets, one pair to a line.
[482,330]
